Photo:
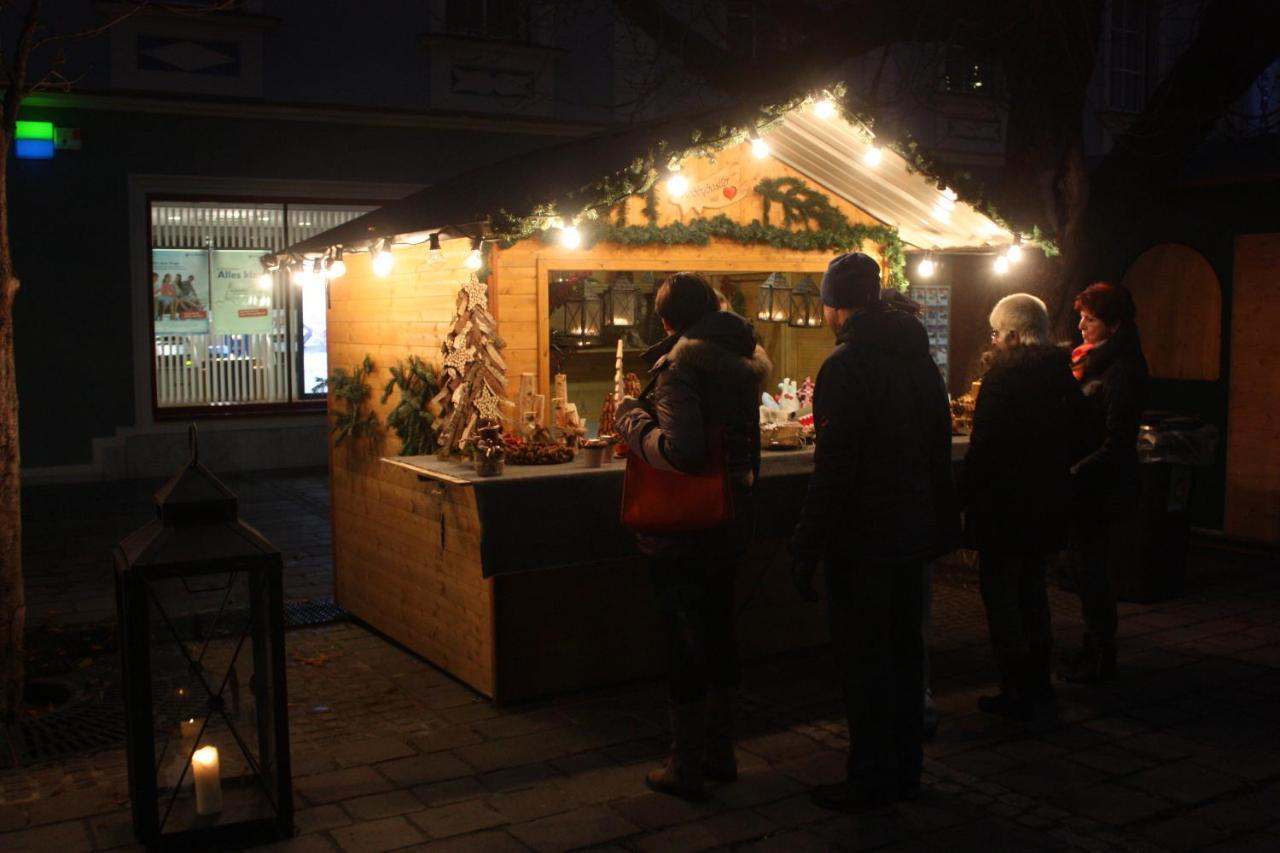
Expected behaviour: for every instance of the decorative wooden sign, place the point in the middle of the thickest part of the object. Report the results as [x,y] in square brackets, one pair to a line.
[719,189]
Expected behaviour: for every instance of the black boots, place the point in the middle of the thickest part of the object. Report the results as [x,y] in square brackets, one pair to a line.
[701,746]
[1095,663]
[1026,691]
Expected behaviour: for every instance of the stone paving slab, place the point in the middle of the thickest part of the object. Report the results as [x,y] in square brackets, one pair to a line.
[1181,753]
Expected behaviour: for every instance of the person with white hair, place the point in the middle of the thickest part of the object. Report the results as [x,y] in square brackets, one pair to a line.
[1016,492]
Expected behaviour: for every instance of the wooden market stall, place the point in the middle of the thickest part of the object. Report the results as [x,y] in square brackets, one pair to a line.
[524,584]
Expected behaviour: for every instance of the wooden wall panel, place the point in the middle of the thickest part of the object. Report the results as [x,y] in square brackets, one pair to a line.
[392,567]
[1179,311]
[1253,407]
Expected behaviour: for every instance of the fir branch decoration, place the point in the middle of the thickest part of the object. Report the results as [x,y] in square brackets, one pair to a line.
[698,232]
[353,390]
[800,203]
[411,419]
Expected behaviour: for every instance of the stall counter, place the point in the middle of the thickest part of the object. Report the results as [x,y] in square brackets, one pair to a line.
[525,585]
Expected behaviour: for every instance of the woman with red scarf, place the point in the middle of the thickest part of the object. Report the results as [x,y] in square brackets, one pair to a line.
[1113,375]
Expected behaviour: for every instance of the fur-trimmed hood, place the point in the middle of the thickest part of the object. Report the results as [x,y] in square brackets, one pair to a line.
[714,359]
[720,344]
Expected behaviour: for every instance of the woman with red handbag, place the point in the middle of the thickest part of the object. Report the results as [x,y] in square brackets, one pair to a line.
[699,416]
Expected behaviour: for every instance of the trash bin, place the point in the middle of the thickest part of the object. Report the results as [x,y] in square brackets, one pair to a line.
[1152,557]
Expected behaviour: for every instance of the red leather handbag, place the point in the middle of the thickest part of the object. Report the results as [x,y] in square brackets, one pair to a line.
[660,501]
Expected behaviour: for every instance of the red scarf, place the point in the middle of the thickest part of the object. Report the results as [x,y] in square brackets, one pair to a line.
[1079,358]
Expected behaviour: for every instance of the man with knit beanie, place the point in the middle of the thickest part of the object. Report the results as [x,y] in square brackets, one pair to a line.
[879,504]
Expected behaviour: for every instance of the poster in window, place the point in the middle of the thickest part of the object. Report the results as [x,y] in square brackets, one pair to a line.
[180,291]
[240,305]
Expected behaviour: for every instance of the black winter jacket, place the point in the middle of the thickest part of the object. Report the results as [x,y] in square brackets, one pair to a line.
[881,490]
[1016,485]
[1105,479]
[709,375]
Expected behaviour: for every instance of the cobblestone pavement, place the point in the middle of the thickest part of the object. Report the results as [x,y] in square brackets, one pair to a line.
[1181,753]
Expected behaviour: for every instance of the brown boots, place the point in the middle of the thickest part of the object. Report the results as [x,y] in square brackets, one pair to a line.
[701,746]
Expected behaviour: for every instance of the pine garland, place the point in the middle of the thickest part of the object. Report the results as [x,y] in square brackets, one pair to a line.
[799,203]
[411,419]
[352,388]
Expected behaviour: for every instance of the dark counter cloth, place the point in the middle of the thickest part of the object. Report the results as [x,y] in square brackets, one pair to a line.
[542,516]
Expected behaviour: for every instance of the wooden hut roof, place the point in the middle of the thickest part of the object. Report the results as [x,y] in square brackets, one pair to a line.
[598,171]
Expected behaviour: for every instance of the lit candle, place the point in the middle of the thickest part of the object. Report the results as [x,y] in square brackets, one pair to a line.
[189,728]
[204,767]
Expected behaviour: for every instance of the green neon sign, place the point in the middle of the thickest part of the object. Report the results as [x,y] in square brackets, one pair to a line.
[34,130]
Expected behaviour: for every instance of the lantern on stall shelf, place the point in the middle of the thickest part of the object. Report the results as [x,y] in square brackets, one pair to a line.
[806,305]
[774,304]
[583,311]
[200,607]
[620,302]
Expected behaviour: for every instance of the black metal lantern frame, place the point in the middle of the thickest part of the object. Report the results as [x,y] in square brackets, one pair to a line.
[806,305]
[199,596]
[774,303]
[621,303]
[582,314]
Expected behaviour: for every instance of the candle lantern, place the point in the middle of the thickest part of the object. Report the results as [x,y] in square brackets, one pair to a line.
[583,315]
[774,304]
[806,305]
[201,624]
[620,302]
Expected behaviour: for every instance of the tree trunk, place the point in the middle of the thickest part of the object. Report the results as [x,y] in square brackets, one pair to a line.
[13,609]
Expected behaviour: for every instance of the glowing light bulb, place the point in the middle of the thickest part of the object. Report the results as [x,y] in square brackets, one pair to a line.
[677,185]
[759,147]
[949,197]
[873,156]
[570,237]
[473,261]
[1001,265]
[926,268]
[825,108]
[1014,253]
[264,281]
[302,275]
[383,262]
[337,268]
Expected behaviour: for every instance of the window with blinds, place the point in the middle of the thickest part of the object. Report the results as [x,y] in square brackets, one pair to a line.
[224,334]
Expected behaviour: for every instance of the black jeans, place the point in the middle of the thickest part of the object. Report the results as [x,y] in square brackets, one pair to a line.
[695,604]
[1017,605]
[1091,558]
[875,615]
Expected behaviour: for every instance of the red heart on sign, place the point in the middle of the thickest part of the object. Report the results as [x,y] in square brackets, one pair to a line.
[730,192]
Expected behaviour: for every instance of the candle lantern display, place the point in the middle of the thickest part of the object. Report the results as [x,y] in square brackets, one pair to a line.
[583,311]
[200,605]
[806,305]
[774,305]
[620,302]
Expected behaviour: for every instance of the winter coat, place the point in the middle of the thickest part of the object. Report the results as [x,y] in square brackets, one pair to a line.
[881,490]
[709,375]
[1105,477]
[1016,485]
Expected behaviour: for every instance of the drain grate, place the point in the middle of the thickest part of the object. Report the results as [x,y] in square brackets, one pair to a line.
[313,611]
[86,725]
[78,728]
